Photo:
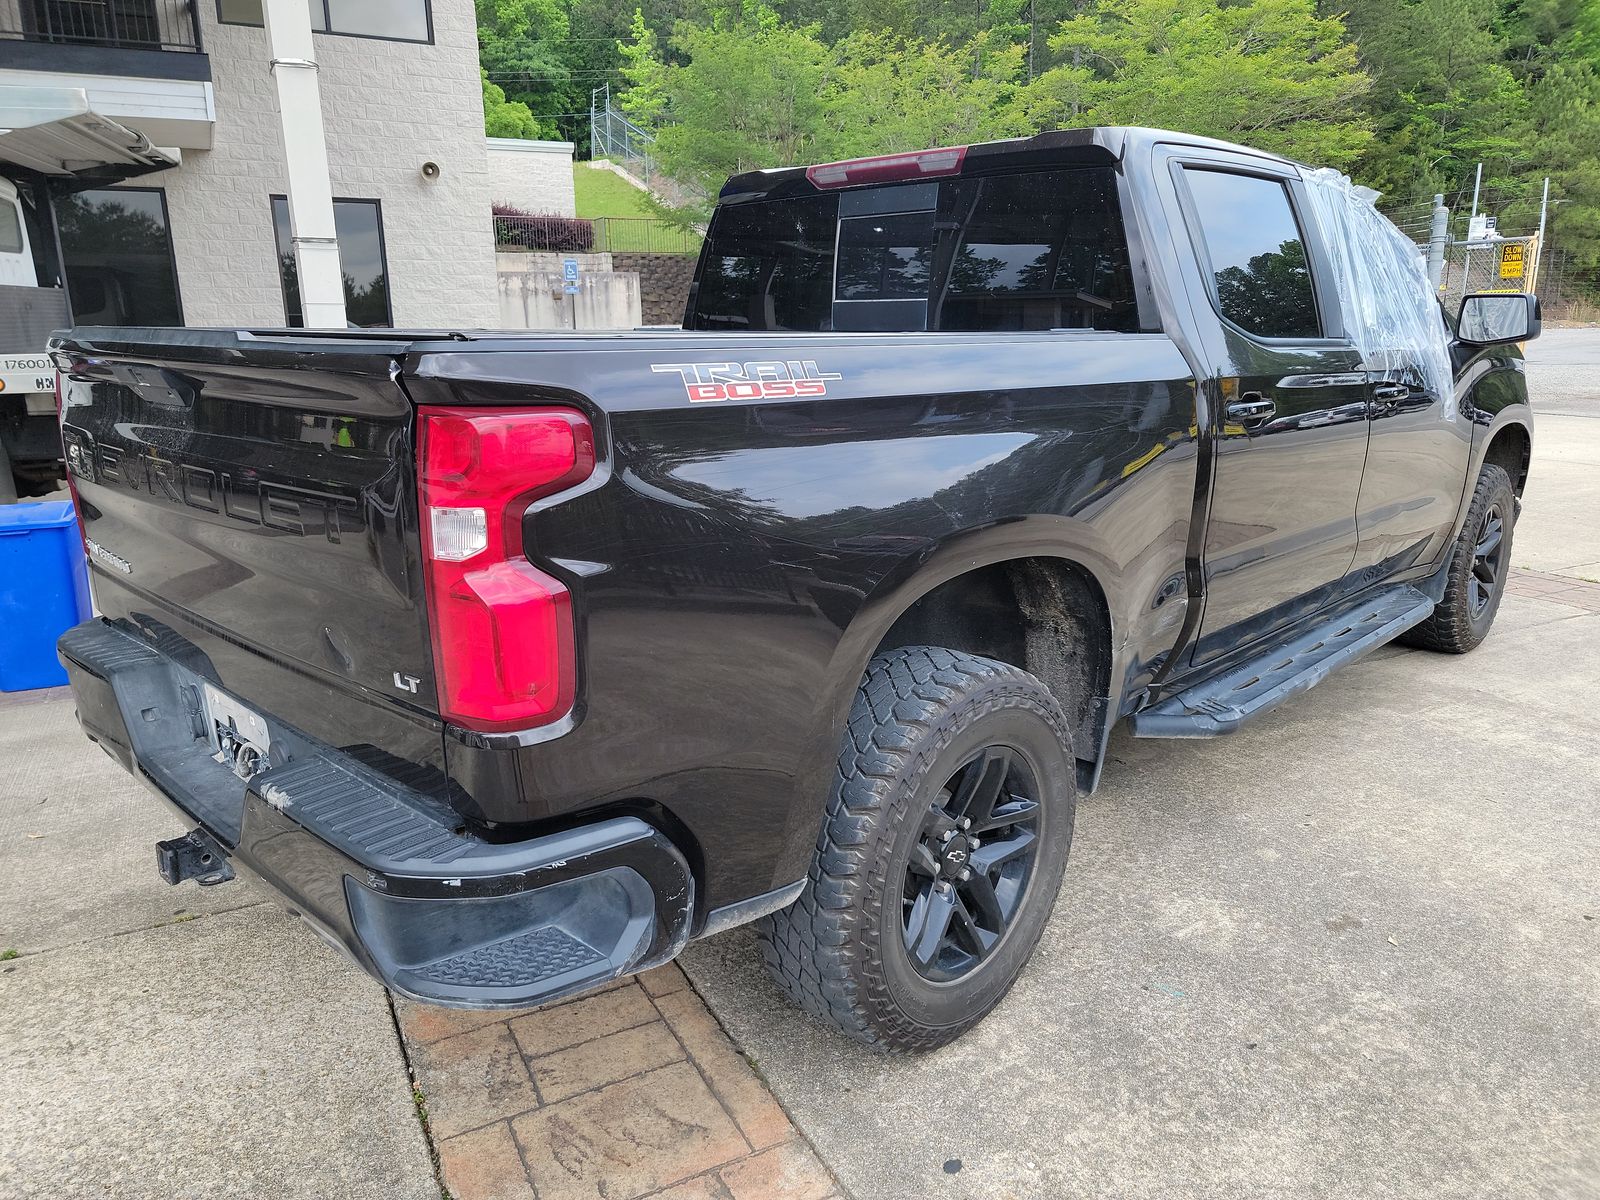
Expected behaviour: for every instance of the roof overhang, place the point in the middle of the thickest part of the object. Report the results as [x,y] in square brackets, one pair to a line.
[55,131]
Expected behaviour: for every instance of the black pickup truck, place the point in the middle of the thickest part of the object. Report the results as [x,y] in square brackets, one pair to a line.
[516,661]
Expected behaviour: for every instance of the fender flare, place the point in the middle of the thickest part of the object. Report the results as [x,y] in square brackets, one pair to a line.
[915,576]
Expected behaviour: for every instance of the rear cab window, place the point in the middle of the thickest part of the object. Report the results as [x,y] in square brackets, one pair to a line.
[1026,250]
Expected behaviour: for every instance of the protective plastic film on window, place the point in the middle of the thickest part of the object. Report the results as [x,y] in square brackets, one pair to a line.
[1389,307]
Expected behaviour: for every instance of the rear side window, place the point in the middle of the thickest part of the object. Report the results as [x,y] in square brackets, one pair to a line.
[769,265]
[1032,251]
[1257,253]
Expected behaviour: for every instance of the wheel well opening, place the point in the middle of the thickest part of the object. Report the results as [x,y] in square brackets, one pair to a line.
[1045,615]
[1511,450]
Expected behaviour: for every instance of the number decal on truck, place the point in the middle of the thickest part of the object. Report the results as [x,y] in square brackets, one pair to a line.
[764,380]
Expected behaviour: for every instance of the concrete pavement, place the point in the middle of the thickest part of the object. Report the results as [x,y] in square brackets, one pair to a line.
[173,1042]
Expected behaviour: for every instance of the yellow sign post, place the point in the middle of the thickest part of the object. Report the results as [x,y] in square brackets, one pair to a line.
[1513,260]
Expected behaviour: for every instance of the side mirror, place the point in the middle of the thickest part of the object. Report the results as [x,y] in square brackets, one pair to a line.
[1494,318]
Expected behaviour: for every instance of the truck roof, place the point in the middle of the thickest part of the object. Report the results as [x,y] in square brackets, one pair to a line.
[1095,145]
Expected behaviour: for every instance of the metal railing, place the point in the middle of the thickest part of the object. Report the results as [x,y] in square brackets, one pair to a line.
[644,235]
[603,235]
[120,24]
[612,136]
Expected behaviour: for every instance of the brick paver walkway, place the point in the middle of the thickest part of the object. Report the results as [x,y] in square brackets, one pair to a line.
[627,1092]
[1563,589]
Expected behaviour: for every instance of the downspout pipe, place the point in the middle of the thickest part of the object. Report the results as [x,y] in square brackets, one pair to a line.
[305,153]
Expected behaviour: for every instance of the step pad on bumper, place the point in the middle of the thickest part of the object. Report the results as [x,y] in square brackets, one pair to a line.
[528,958]
[1221,705]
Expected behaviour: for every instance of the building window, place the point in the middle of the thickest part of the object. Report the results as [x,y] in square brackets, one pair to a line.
[116,247]
[359,227]
[393,20]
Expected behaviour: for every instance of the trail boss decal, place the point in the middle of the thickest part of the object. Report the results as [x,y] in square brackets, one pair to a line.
[749,381]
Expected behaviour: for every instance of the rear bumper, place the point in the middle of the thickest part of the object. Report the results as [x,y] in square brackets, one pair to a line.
[388,874]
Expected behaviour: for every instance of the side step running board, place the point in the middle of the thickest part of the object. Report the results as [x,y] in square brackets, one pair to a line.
[1223,704]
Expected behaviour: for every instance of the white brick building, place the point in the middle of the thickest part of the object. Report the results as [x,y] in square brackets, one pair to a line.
[399,85]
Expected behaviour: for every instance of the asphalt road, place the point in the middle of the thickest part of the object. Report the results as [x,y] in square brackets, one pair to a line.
[1564,372]
[1352,952]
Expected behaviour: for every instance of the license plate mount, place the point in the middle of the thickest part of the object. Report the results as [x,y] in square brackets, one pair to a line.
[240,739]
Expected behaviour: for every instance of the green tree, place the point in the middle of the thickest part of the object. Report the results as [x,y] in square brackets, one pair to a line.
[746,95]
[1267,72]
[520,48]
[884,94]
[645,100]
[1443,96]
[505,118]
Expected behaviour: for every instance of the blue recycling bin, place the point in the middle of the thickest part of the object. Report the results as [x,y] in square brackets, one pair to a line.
[44,591]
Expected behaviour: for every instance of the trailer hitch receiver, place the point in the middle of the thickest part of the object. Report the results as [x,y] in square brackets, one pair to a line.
[193,856]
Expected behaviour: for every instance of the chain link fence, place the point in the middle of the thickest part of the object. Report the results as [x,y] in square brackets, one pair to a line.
[1568,291]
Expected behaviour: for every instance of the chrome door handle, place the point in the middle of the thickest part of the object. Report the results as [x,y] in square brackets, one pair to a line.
[1252,406]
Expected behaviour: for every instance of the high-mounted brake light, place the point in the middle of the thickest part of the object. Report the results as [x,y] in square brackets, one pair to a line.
[888,168]
[502,629]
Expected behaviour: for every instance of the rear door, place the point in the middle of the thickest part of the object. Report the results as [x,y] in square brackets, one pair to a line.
[1290,431]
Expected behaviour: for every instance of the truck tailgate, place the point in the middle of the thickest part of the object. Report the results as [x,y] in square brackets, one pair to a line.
[262,493]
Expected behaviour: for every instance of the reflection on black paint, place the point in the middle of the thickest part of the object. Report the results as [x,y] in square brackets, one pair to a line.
[359,227]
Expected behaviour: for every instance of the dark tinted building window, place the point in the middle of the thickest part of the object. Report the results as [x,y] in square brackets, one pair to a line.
[359,227]
[116,245]
[1042,250]
[1258,255]
[769,265]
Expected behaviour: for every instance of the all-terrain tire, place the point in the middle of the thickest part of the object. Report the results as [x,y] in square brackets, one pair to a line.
[1456,625]
[839,951]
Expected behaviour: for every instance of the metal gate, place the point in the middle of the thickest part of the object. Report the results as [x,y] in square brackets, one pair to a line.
[1499,265]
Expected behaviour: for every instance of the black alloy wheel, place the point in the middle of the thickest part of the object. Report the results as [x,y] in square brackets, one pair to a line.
[1488,556]
[971,865]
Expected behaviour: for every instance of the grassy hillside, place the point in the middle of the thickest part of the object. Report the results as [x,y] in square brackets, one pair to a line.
[601,193]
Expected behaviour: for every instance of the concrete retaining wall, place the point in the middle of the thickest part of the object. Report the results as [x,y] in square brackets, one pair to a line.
[664,281]
[532,293]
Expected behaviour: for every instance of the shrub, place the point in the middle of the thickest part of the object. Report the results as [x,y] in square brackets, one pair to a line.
[518,228]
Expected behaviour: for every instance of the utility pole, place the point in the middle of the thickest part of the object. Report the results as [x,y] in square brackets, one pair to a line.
[1438,235]
[305,154]
[1538,245]
[1466,265]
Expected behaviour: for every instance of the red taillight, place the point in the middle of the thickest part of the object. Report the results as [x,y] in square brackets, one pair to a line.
[502,629]
[888,168]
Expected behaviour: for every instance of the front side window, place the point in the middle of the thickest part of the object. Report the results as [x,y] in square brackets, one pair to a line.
[1257,253]
[358,224]
[116,249]
[394,20]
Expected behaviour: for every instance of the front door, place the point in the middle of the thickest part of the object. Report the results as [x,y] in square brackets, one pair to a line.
[1291,419]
